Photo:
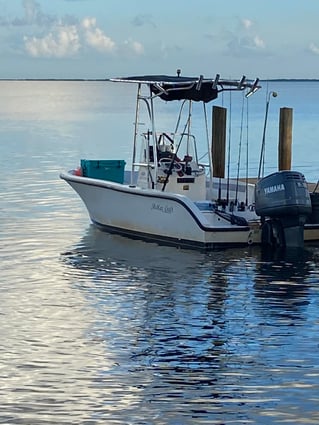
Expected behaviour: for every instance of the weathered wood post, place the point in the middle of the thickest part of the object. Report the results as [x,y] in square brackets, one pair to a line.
[219,141]
[285,139]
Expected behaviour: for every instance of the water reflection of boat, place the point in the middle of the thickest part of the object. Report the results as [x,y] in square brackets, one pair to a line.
[280,278]
[178,311]
[97,249]
[171,196]
[283,281]
[196,334]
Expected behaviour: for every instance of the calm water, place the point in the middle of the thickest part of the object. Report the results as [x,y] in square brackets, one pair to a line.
[101,329]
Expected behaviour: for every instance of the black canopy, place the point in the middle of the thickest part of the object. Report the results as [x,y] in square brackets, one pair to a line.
[193,88]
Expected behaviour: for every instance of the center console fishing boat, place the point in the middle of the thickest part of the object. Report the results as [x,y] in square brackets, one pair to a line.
[169,195]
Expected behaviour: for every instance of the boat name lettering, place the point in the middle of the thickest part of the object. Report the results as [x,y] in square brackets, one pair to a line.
[273,189]
[163,208]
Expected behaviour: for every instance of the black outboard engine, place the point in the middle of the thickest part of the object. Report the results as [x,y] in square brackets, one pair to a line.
[283,202]
[314,216]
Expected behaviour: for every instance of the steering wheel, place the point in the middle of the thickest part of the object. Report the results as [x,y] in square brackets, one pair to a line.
[166,164]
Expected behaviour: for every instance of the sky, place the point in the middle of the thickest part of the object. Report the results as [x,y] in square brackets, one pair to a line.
[96,39]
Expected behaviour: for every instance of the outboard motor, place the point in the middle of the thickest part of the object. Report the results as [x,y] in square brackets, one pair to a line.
[314,216]
[283,202]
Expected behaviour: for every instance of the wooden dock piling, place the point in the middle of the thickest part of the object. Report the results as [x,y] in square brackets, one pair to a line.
[219,141]
[285,139]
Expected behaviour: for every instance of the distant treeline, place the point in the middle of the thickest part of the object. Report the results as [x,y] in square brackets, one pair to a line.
[54,79]
[107,79]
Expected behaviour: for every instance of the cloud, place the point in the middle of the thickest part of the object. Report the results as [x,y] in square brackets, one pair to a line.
[68,40]
[250,39]
[245,40]
[314,48]
[33,15]
[95,37]
[134,46]
[141,20]
[244,45]
[49,36]
[247,23]
[33,12]
[63,42]
[258,42]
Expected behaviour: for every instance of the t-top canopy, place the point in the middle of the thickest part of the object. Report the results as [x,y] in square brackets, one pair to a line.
[193,88]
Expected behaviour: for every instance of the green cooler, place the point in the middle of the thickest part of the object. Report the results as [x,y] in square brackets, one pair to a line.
[104,169]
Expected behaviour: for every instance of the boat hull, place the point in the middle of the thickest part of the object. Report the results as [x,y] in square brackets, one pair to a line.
[158,216]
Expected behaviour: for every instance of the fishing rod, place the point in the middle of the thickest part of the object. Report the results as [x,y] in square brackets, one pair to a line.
[263,143]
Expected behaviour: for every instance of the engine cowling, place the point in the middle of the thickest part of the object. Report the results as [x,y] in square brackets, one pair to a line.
[282,199]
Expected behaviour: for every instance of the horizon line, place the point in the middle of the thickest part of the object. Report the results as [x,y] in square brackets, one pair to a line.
[107,79]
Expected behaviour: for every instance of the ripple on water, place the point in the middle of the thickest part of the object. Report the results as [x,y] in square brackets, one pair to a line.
[216,339]
[102,329]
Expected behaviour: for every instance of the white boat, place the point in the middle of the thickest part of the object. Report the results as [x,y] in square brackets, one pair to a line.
[169,195]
